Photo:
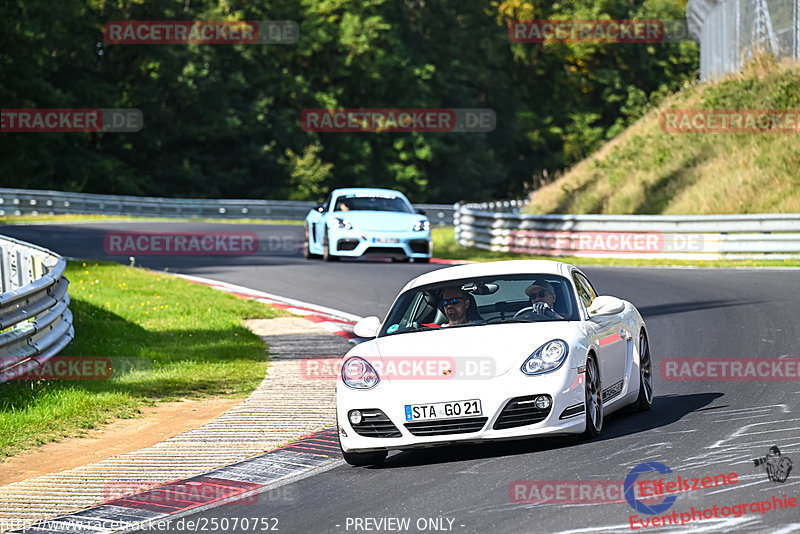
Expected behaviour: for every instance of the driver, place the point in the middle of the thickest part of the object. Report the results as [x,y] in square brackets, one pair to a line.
[543,299]
[455,303]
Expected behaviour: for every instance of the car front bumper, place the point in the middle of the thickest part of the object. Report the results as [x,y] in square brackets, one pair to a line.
[566,415]
[355,243]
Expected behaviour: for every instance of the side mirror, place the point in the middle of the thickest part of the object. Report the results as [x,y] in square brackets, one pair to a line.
[421,211]
[606,306]
[320,208]
[367,327]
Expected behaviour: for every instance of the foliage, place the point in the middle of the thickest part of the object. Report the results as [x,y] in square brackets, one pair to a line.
[223,120]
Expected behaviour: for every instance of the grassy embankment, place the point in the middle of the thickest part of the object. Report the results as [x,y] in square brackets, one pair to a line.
[648,171]
[187,341]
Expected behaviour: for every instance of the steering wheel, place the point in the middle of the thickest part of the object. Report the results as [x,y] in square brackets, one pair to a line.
[523,310]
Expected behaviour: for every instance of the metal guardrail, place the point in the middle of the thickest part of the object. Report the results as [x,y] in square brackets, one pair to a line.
[729,30]
[502,227]
[43,202]
[35,320]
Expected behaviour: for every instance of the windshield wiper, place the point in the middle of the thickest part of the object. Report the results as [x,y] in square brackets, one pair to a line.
[498,320]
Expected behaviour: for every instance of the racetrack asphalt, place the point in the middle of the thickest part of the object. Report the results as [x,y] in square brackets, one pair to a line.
[698,429]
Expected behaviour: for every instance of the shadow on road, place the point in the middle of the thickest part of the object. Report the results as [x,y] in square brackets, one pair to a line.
[666,410]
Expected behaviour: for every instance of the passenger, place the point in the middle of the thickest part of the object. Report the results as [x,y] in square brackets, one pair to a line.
[543,299]
[345,205]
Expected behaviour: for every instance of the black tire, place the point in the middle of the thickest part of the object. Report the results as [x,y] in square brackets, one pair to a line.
[645,400]
[326,249]
[361,459]
[593,398]
[307,247]
[422,260]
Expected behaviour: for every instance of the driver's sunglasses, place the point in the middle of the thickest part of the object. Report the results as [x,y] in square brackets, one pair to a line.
[454,300]
[542,294]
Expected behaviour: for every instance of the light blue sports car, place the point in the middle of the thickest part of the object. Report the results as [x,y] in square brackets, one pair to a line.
[364,221]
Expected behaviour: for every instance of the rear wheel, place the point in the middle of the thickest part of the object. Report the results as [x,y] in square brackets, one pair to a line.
[645,400]
[326,249]
[594,399]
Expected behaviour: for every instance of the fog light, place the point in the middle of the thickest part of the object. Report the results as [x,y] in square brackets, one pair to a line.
[542,402]
[356,418]
[342,431]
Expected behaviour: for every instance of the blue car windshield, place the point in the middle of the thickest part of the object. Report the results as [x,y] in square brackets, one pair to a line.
[483,301]
[372,203]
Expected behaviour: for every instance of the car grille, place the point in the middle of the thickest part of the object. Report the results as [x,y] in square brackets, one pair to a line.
[376,424]
[384,250]
[521,411]
[346,244]
[447,426]
[419,246]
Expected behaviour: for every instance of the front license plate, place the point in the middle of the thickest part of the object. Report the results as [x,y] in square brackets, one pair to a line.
[443,410]
[385,240]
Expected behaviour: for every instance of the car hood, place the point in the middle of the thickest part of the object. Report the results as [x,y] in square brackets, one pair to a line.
[385,221]
[483,351]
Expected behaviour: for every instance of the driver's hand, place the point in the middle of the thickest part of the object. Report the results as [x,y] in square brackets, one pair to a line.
[542,308]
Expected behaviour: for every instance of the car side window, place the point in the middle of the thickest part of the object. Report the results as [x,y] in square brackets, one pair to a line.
[585,290]
[327,203]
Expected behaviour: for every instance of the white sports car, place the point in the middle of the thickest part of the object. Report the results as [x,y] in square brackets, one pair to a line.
[363,221]
[491,351]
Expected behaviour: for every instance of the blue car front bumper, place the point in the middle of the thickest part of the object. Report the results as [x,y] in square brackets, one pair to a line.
[355,243]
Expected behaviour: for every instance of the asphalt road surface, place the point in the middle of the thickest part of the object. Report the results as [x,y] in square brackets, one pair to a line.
[696,428]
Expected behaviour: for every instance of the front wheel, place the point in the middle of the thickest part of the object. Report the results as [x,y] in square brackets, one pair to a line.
[307,246]
[645,400]
[326,249]
[361,459]
[594,399]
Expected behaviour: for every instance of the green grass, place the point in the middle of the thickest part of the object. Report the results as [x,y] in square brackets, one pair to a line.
[187,341]
[69,218]
[445,246]
[648,171]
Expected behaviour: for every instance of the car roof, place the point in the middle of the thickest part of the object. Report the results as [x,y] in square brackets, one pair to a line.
[491,268]
[365,191]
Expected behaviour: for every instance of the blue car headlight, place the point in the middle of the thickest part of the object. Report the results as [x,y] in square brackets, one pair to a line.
[422,226]
[546,358]
[343,223]
[358,373]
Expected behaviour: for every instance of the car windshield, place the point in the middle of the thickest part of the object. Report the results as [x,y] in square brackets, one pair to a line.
[491,300]
[372,203]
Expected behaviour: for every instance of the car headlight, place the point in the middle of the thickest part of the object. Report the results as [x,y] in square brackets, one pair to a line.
[422,226]
[546,358]
[357,373]
[342,223]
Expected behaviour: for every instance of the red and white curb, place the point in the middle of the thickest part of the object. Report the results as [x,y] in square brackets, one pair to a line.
[242,483]
[334,321]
